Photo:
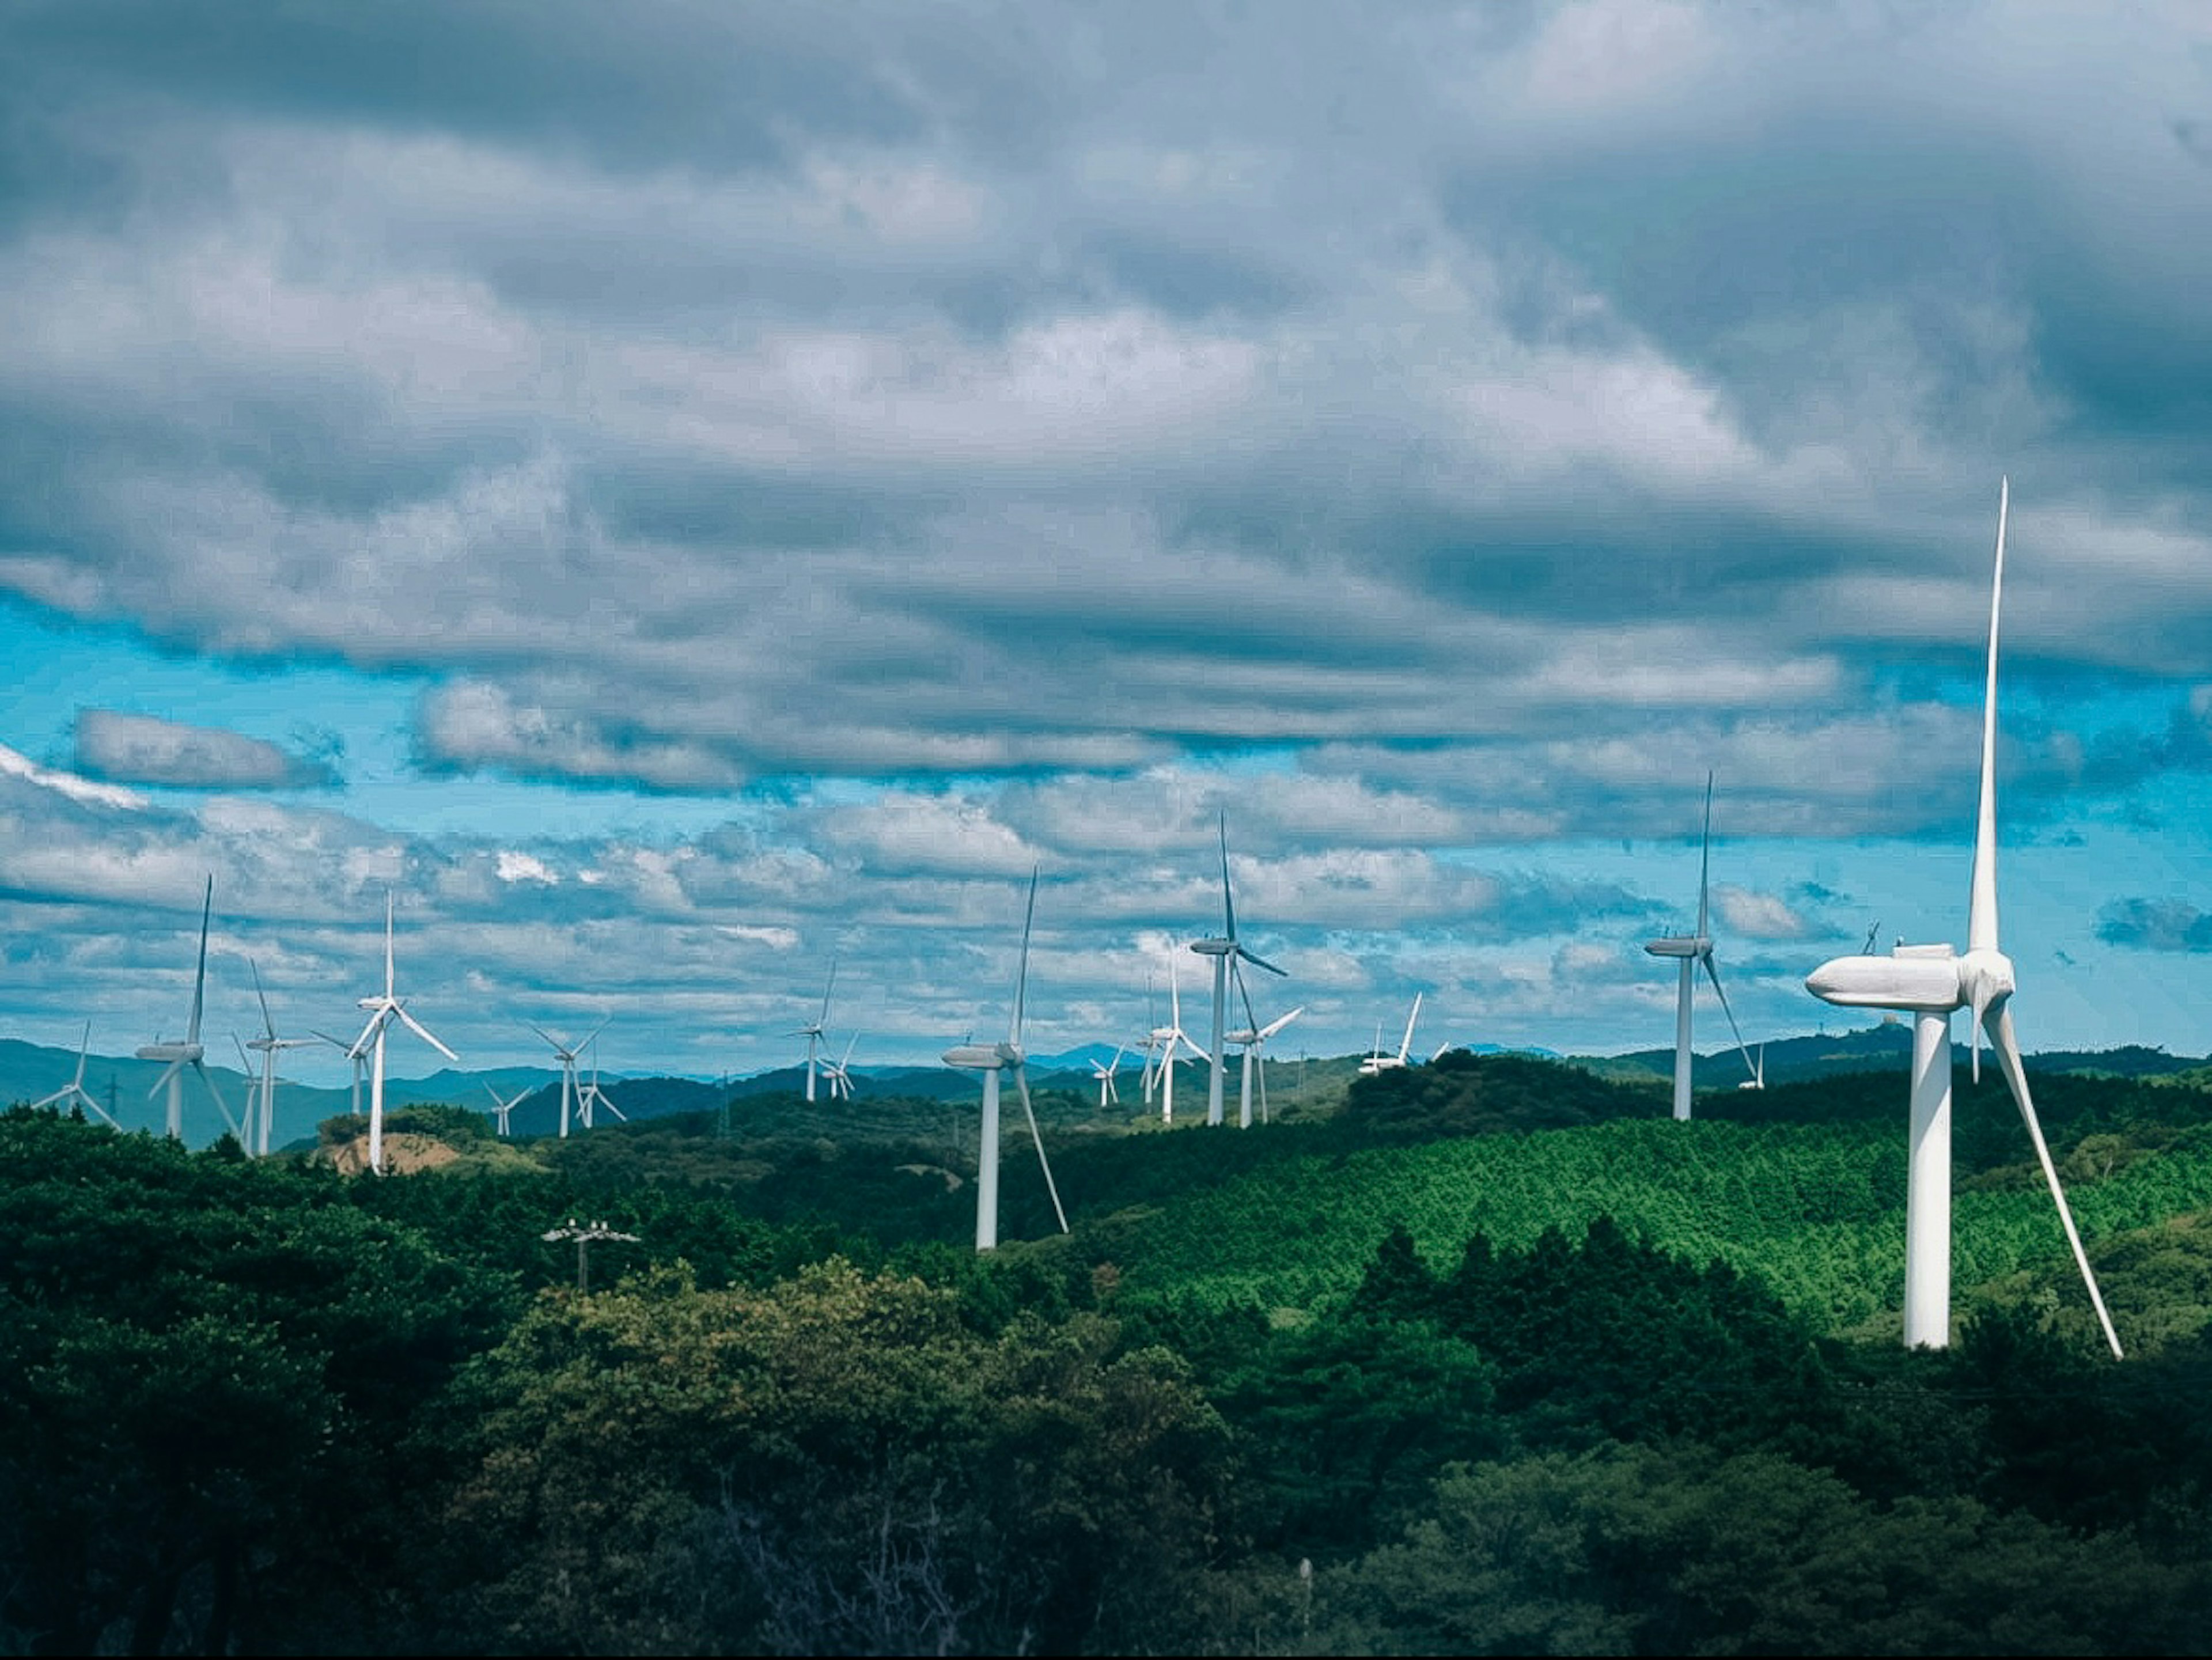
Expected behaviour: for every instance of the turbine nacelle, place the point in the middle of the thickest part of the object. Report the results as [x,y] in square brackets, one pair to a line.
[1697,946]
[1918,980]
[173,1053]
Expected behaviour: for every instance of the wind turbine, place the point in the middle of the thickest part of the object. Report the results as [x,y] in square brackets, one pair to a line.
[189,1053]
[1162,1075]
[262,1116]
[591,1095]
[1758,1079]
[1931,981]
[991,1059]
[504,1106]
[1691,949]
[812,1031]
[1379,1061]
[74,1092]
[1253,1041]
[1225,952]
[566,1054]
[383,1010]
[840,1073]
[1103,1072]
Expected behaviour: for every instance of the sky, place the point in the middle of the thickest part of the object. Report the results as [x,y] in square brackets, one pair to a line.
[682,493]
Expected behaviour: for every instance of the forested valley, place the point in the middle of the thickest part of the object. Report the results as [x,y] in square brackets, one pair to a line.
[1498,1359]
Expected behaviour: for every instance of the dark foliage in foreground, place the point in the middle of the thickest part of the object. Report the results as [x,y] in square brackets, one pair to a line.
[249,1407]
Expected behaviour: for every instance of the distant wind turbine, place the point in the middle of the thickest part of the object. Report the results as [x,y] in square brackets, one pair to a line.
[190,1052]
[1225,951]
[1690,950]
[262,1111]
[1162,1076]
[566,1054]
[991,1059]
[1931,983]
[813,1030]
[1253,1040]
[503,1107]
[1379,1061]
[840,1072]
[383,1009]
[1103,1072]
[74,1092]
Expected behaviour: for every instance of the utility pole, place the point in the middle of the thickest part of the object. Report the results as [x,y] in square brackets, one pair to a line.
[584,1236]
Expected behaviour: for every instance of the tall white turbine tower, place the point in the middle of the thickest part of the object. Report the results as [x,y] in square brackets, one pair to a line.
[1929,982]
[1690,950]
[813,1030]
[189,1053]
[1226,952]
[991,1059]
[74,1093]
[383,1010]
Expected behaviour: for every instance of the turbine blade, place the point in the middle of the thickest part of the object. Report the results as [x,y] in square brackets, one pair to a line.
[423,1032]
[1022,1083]
[1982,914]
[2007,1047]
[268,1026]
[1407,1046]
[1237,970]
[1714,974]
[199,979]
[244,1065]
[221,1105]
[1259,961]
[387,942]
[1276,1024]
[158,1082]
[1705,856]
[1228,910]
[361,1043]
[1022,976]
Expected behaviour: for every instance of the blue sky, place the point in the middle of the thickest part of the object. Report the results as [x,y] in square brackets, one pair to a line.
[683,499]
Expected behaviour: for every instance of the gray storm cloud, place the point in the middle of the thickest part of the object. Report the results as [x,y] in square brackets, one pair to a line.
[142,749]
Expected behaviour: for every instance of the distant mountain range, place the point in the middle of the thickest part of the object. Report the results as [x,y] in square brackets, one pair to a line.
[30,1071]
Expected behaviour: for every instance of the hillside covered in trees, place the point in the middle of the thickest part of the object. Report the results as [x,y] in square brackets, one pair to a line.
[1497,1359]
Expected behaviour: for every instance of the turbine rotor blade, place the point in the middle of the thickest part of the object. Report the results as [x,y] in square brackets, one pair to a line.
[1228,909]
[163,1079]
[1705,856]
[221,1105]
[268,1026]
[1260,963]
[199,979]
[1022,1083]
[1981,913]
[1714,974]
[423,1032]
[2007,1047]
[1022,975]
[1276,1024]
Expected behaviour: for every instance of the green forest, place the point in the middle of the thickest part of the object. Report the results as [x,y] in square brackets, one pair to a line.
[1497,1358]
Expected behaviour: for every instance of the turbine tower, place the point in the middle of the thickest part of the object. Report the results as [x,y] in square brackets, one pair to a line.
[1690,950]
[1225,951]
[813,1030]
[383,1010]
[74,1092]
[991,1059]
[189,1053]
[1929,982]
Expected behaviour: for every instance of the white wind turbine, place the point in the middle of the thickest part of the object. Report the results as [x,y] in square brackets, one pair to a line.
[1379,1061]
[383,1010]
[1931,983]
[1109,1095]
[503,1107]
[1253,1040]
[1690,950]
[590,1095]
[189,1053]
[74,1092]
[840,1072]
[1160,1074]
[813,1030]
[1226,952]
[566,1054]
[991,1059]
[262,1114]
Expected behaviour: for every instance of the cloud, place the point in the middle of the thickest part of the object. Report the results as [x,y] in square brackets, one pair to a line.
[1762,916]
[142,749]
[2168,925]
